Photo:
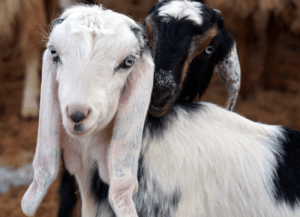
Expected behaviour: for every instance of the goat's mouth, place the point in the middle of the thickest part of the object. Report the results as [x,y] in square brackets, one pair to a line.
[78,129]
[157,112]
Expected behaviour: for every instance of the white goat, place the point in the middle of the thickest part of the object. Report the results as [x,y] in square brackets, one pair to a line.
[197,160]
[96,107]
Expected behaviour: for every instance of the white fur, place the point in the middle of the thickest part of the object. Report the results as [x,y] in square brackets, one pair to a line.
[222,163]
[181,9]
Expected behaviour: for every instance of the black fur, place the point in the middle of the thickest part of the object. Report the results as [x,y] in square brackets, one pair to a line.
[99,190]
[67,194]
[287,187]
[172,48]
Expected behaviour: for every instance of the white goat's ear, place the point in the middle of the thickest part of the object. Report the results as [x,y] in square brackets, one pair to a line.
[230,72]
[46,159]
[127,136]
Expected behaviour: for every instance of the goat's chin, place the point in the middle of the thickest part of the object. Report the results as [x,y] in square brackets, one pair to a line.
[79,129]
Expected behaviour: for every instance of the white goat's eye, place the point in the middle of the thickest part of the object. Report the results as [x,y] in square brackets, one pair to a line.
[129,61]
[54,54]
[209,50]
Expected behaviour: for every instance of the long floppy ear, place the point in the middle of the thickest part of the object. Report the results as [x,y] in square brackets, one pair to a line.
[127,136]
[46,159]
[230,72]
[228,65]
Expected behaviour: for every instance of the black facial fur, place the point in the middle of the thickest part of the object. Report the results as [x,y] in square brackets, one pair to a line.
[287,188]
[172,49]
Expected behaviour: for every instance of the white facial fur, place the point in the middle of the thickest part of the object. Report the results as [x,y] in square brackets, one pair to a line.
[181,9]
[86,74]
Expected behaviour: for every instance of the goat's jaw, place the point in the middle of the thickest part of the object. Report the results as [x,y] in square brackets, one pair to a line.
[157,112]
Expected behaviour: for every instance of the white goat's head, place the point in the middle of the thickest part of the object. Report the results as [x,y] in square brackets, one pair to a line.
[96,68]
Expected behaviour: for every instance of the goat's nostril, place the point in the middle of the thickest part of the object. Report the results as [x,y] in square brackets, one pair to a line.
[77,116]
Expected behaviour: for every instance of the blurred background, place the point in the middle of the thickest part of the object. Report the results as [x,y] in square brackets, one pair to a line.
[268,39]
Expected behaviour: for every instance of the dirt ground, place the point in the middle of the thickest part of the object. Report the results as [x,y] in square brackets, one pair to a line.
[18,137]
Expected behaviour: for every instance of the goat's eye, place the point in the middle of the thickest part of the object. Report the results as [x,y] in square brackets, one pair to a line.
[129,61]
[54,54]
[209,50]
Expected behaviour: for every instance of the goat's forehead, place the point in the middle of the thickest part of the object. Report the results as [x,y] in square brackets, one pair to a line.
[95,33]
[96,17]
[181,9]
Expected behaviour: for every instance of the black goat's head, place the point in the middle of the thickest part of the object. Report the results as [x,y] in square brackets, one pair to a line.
[188,42]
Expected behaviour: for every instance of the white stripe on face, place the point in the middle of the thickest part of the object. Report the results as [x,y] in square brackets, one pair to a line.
[181,9]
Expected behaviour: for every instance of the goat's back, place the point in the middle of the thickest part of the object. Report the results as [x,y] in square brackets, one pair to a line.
[203,160]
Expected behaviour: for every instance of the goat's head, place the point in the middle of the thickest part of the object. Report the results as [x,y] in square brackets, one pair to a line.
[96,69]
[188,41]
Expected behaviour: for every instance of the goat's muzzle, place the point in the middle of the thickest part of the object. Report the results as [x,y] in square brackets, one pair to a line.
[78,116]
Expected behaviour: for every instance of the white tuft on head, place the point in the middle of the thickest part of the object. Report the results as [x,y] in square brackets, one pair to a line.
[180,9]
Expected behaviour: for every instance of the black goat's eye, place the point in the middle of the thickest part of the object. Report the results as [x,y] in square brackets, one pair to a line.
[209,49]
[54,54]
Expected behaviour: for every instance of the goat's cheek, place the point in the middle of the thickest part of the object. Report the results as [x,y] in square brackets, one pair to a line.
[108,110]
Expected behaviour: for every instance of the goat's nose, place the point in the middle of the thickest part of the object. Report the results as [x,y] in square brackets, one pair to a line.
[77,116]
[77,112]
[160,97]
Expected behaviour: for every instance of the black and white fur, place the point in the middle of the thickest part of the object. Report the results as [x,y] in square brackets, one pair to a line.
[189,41]
[202,160]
